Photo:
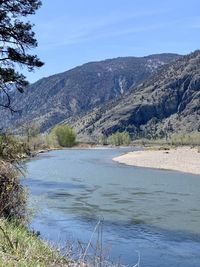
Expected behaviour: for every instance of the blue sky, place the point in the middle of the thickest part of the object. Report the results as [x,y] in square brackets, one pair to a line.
[71,33]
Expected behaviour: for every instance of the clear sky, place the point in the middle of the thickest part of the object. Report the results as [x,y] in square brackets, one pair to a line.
[73,32]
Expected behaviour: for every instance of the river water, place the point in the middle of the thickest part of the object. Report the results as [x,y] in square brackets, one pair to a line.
[153,212]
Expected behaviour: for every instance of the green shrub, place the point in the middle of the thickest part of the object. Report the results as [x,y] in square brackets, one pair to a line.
[118,139]
[65,135]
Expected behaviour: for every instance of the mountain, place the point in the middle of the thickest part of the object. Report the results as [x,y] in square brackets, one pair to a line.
[167,102]
[75,92]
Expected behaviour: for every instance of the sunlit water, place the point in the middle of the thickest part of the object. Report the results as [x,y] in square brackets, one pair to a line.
[154,212]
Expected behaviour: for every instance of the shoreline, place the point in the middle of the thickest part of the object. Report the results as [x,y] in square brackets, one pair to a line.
[182,159]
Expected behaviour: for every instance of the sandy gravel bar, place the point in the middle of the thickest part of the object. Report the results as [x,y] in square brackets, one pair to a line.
[182,159]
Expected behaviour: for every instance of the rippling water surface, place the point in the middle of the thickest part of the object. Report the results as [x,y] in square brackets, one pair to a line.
[154,212]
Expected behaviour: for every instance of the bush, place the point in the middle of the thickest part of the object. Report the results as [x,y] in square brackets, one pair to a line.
[118,139]
[12,193]
[65,135]
[11,148]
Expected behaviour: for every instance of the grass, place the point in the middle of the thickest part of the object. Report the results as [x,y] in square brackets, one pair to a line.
[21,248]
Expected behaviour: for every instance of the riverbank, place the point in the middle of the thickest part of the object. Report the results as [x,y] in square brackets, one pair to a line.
[20,247]
[184,159]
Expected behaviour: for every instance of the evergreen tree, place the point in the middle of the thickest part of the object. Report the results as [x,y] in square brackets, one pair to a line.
[16,39]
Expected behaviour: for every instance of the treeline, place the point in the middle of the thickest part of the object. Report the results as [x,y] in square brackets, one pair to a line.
[178,139]
[59,136]
[116,139]
[185,139]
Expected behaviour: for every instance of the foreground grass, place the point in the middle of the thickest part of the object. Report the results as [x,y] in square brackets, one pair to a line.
[21,248]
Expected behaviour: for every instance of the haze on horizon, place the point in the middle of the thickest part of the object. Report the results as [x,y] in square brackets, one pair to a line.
[72,33]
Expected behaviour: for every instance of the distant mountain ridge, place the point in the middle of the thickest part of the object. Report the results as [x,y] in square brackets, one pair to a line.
[73,93]
[167,102]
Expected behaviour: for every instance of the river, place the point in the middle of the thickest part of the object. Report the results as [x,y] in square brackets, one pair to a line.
[153,212]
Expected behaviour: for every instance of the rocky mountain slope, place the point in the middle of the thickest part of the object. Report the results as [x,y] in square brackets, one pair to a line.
[75,92]
[167,102]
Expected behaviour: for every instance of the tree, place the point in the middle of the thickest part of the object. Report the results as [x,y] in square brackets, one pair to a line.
[118,139]
[65,135]
[16,39]
[103,140]
[30,130]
